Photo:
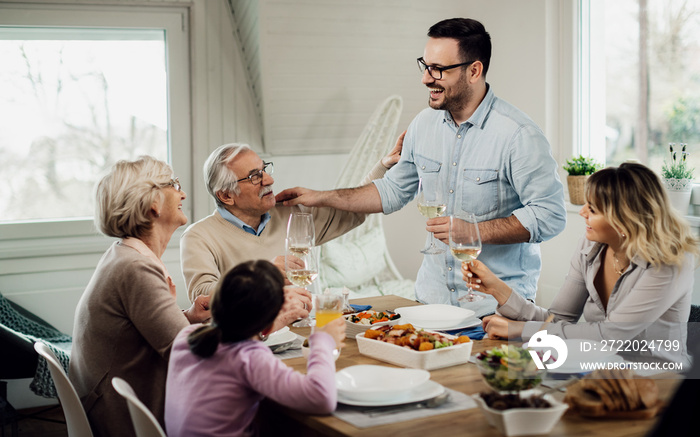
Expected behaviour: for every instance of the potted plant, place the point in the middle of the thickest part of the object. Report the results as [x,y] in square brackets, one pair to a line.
[678,178]
[580,168]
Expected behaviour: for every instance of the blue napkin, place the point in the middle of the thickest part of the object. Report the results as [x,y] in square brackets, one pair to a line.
[359,308]
[474,333]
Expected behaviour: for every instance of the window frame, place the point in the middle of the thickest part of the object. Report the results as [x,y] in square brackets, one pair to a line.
[174,22]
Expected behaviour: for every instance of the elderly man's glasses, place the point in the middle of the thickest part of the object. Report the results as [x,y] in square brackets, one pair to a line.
[436,72]
[256,176]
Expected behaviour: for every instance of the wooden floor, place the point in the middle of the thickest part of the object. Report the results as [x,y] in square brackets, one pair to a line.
[29,424]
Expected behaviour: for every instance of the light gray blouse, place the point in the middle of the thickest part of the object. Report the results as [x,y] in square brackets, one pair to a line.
[647,303]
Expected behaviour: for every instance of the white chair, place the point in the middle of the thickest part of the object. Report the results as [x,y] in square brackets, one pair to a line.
[145,423]
[76,419]
[360,259]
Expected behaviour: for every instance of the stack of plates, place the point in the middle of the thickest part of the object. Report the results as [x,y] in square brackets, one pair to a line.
[371,386]
[438,317]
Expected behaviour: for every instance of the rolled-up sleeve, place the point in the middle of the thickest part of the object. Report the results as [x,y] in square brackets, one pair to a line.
[400,184]
[533,172]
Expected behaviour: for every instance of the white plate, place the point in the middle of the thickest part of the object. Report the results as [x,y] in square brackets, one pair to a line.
[429,389]
[352,329]
[436,316]
[282,336]
[368,382]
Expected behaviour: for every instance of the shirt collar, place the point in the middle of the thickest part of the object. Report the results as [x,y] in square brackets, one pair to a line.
[592,252]
[226,214]
[482,111]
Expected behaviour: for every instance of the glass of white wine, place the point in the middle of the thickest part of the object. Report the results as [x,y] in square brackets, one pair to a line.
[301,267]
[431,205]
[465,245]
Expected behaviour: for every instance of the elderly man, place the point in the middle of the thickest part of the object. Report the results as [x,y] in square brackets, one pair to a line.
[485,155]
[248,224]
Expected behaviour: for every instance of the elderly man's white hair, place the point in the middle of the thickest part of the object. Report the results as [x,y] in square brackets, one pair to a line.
[217,175]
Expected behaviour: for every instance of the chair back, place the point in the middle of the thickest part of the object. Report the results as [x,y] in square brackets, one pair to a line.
[76,419]
[145,423]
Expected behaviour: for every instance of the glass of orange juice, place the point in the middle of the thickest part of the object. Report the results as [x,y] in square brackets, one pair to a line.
[328,307]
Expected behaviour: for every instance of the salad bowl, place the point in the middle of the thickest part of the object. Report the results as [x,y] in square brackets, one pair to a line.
[509,369]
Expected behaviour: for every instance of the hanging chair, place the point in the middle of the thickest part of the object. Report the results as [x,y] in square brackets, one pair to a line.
[360,260]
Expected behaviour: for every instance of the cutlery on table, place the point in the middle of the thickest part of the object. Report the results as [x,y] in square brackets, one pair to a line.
[428,403]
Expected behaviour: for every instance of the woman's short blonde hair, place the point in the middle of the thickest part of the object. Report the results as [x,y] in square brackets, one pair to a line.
[124,197]
[633,201]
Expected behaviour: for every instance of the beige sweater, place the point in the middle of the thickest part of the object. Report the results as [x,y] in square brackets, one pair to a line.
[125,324]
[212,246]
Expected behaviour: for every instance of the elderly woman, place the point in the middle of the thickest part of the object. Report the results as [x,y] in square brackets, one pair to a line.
[631,275]
[127,319]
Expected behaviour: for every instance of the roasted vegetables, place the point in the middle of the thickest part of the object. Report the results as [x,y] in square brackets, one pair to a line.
[417,339]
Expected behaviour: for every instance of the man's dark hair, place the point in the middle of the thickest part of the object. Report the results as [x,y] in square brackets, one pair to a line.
[474,40]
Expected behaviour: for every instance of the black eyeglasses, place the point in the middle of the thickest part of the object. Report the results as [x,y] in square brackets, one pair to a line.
[436,72]
[256,176]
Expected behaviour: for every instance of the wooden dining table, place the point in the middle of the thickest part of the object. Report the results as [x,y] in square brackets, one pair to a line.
[279,420]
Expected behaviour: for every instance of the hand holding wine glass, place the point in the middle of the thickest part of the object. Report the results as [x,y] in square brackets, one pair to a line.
[465,245]
[300,257]
[301,267]
[431,205]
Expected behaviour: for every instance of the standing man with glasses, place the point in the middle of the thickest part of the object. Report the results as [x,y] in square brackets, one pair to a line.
[248,225]
[486,156]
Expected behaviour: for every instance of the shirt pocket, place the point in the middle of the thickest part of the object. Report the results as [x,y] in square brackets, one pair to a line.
[429,172]
[480,191]
[427,166]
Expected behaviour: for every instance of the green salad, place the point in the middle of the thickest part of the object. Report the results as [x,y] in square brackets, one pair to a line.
[509,368]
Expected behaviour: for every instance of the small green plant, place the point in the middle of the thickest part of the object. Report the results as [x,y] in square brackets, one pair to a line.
[677,168]
[581,166]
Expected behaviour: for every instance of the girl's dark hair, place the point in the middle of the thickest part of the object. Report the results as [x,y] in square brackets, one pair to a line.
[247,301]
[474,40]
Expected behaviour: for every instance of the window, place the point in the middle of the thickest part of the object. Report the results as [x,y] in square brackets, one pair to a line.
[80,90]
[640,79]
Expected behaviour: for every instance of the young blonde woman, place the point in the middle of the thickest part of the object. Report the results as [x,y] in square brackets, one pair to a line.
[631,276]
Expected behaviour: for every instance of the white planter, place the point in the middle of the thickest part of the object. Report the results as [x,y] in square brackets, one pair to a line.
[679,191]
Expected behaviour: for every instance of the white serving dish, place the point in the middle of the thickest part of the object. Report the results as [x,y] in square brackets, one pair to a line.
[523,421]
[367,382]
[352,329]
[434,316]
[407,357]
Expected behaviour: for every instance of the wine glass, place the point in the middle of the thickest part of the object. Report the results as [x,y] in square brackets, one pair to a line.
[300,230]
[430,204]
[328,307]
[465,245]
[301,266]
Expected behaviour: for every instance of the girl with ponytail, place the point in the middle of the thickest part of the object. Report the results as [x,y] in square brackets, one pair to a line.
[219,373]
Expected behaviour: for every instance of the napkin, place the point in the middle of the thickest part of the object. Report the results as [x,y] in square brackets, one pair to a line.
[474,333]
[359,308]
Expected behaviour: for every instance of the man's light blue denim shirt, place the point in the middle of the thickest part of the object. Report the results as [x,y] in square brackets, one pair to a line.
[496,164]
[241,224]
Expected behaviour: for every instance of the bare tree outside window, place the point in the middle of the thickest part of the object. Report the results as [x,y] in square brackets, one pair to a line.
[652,50]
[71,108]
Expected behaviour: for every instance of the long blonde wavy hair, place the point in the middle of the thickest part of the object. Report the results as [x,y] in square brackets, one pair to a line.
[633,201]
